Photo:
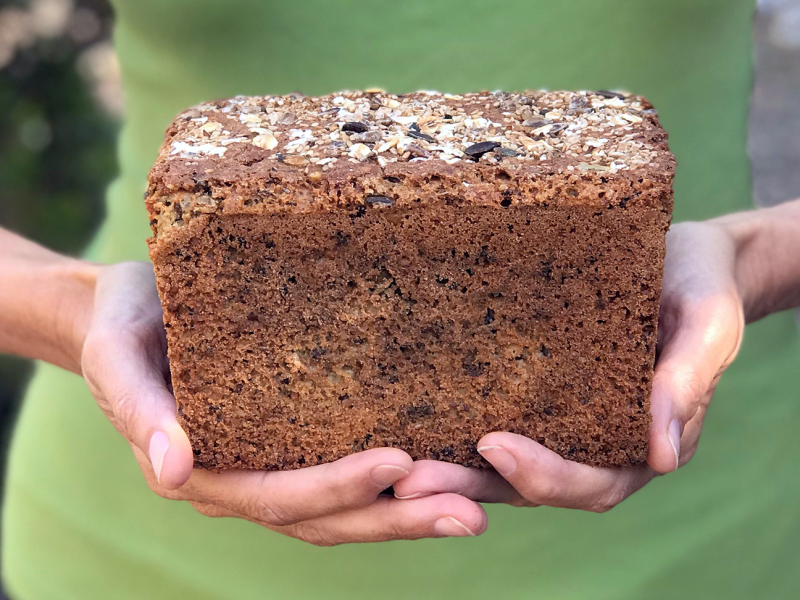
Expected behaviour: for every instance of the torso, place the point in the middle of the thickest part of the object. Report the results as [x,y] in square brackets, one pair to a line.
[74,491]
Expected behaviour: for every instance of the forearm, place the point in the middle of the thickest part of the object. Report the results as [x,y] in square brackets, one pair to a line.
[45,302]
[46,299]
[768,258]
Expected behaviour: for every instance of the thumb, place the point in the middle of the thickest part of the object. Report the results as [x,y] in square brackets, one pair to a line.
[153,428]
[703,340]
[144,412]
[124,364]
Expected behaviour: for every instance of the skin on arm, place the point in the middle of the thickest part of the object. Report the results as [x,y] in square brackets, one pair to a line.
[768,258]
[105,322]
[719,274]
[45,302]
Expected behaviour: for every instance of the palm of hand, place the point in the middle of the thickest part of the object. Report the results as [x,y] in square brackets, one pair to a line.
[124,363]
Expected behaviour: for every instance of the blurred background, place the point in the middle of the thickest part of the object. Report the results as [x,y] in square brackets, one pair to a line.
[61,105]
[775,114]
[60,108]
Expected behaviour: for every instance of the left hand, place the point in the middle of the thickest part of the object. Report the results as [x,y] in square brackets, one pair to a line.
[700,330]
[124,361]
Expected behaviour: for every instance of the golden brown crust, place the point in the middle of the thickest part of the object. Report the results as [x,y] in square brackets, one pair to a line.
[254,154]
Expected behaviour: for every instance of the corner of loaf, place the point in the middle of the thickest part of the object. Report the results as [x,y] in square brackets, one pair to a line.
[362,269]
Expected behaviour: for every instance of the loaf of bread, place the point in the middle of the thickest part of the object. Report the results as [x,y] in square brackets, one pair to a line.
[363,269]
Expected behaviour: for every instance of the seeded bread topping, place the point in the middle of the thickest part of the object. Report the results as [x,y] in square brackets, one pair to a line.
[596,130]
[226,146]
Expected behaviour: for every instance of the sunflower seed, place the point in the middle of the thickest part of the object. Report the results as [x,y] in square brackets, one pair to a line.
[479,149]
[355,127]
[420,136]
[608,94]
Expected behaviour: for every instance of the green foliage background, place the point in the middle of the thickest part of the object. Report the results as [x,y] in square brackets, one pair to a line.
[56,156]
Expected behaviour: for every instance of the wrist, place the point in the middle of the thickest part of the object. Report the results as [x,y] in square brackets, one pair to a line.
[745,231]
[767,258]
[72,285]
[46,302]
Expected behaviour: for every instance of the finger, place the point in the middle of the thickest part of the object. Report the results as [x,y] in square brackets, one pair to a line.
[443,515]
[124,359]
[543,477]
[430,477]
[704,342]
[287,497]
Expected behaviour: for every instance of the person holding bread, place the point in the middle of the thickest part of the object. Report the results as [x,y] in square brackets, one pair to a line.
[83,518]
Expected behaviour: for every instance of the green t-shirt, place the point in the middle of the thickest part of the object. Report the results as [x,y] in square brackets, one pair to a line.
[79,520]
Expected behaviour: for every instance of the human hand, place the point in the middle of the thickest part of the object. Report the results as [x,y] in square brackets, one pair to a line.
[700,329]
[124,362]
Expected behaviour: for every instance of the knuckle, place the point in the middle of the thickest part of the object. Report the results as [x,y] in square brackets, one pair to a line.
[341,489]
[100,345]
[163,492]
[523,502]
[688,388]
[92,355]
[725,326]
[394,531]
[267,511]
[721,315]
[102,337]
[263,508]
[122,334]
[125,413]
[608,501]
[727,308]
[605,504]
[208,510]
[314,534]
[601,507]
[691,384]
[544,492]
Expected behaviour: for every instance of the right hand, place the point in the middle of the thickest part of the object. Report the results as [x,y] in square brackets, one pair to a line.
[700,329]
[124,362]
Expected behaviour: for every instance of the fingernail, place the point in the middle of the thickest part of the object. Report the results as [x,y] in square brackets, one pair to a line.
[410,496]
[159,444]
[450,527]
[501,459]
[674,435]
[386,475]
